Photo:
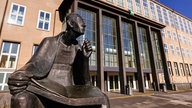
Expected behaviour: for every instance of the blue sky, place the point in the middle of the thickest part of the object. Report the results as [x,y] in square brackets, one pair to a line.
[182,6]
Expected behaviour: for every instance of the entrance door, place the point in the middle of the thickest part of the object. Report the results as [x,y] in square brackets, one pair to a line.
[130,81]
[113,84]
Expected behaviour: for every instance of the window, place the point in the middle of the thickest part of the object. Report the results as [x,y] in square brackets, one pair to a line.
[142,34]
[181,23]
[187,70]
[184,39]
[191,69]
[180,38]
[9,55]
[17,14]
[90,33]
[138,6]
[178,51]
[35,48]
[169,34]
[169,68]
[130,5]
[3,80]
[175,36]
[182,69]
[185,25]
[165,48]
[110,42]
[120,3]
[171,18]
[159,13]
[176,21]
[156,49]
[183,52]
[162,32]
[153,13]
[188,53]
[129,49]
[172,49]
[146,10]
[110,0]
[189,25]
[44,20]
[176,69]
[165,16]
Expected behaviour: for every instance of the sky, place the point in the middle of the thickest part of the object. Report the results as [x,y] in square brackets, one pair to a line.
[182,6]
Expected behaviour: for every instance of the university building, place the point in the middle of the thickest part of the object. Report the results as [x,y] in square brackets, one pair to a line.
[140,43]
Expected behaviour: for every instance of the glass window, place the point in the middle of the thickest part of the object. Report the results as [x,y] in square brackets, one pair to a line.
[184,39]
[144,47]
[183,52]
[190,27]
[190,69]
[153,12]
[182,69]
[165,16]
[181,23]
[187,70]
[110,0]
[90,32]
[176,69]
[165,48]
[138,6]
[17,14]
[171,19]
[188,53]
[129,49]
[169,68]
[9,55]
[185,25]
[3,80]
[130,5]
[44,20]
[175,36]
[110,42]
[180,38]
[146,10]
[35,48]
[178,51]
[159,13]
[156,50]
[169,34]
[162,32]
[176,21]
[120,3]
[172,49]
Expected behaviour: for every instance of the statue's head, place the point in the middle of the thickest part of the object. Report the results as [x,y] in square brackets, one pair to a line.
[75,23]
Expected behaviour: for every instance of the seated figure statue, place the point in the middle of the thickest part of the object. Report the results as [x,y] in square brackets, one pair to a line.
[57,75]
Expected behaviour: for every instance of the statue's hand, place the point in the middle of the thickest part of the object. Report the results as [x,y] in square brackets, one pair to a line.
[87,48]
[18,82]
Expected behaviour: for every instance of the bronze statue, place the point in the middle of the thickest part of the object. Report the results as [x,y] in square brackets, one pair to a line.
[57,75]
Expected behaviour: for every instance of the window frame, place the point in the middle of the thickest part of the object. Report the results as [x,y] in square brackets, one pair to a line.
[17,14]
[44,20]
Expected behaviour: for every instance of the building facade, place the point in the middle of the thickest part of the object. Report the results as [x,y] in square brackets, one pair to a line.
[140,43]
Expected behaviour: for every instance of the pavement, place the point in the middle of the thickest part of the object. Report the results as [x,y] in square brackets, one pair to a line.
[149,99]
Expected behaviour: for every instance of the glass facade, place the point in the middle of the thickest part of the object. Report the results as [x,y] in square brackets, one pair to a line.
[110,42]
[144,47]
[90,32]
[129,49]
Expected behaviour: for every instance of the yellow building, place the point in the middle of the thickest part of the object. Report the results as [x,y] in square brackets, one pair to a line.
[140,43]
